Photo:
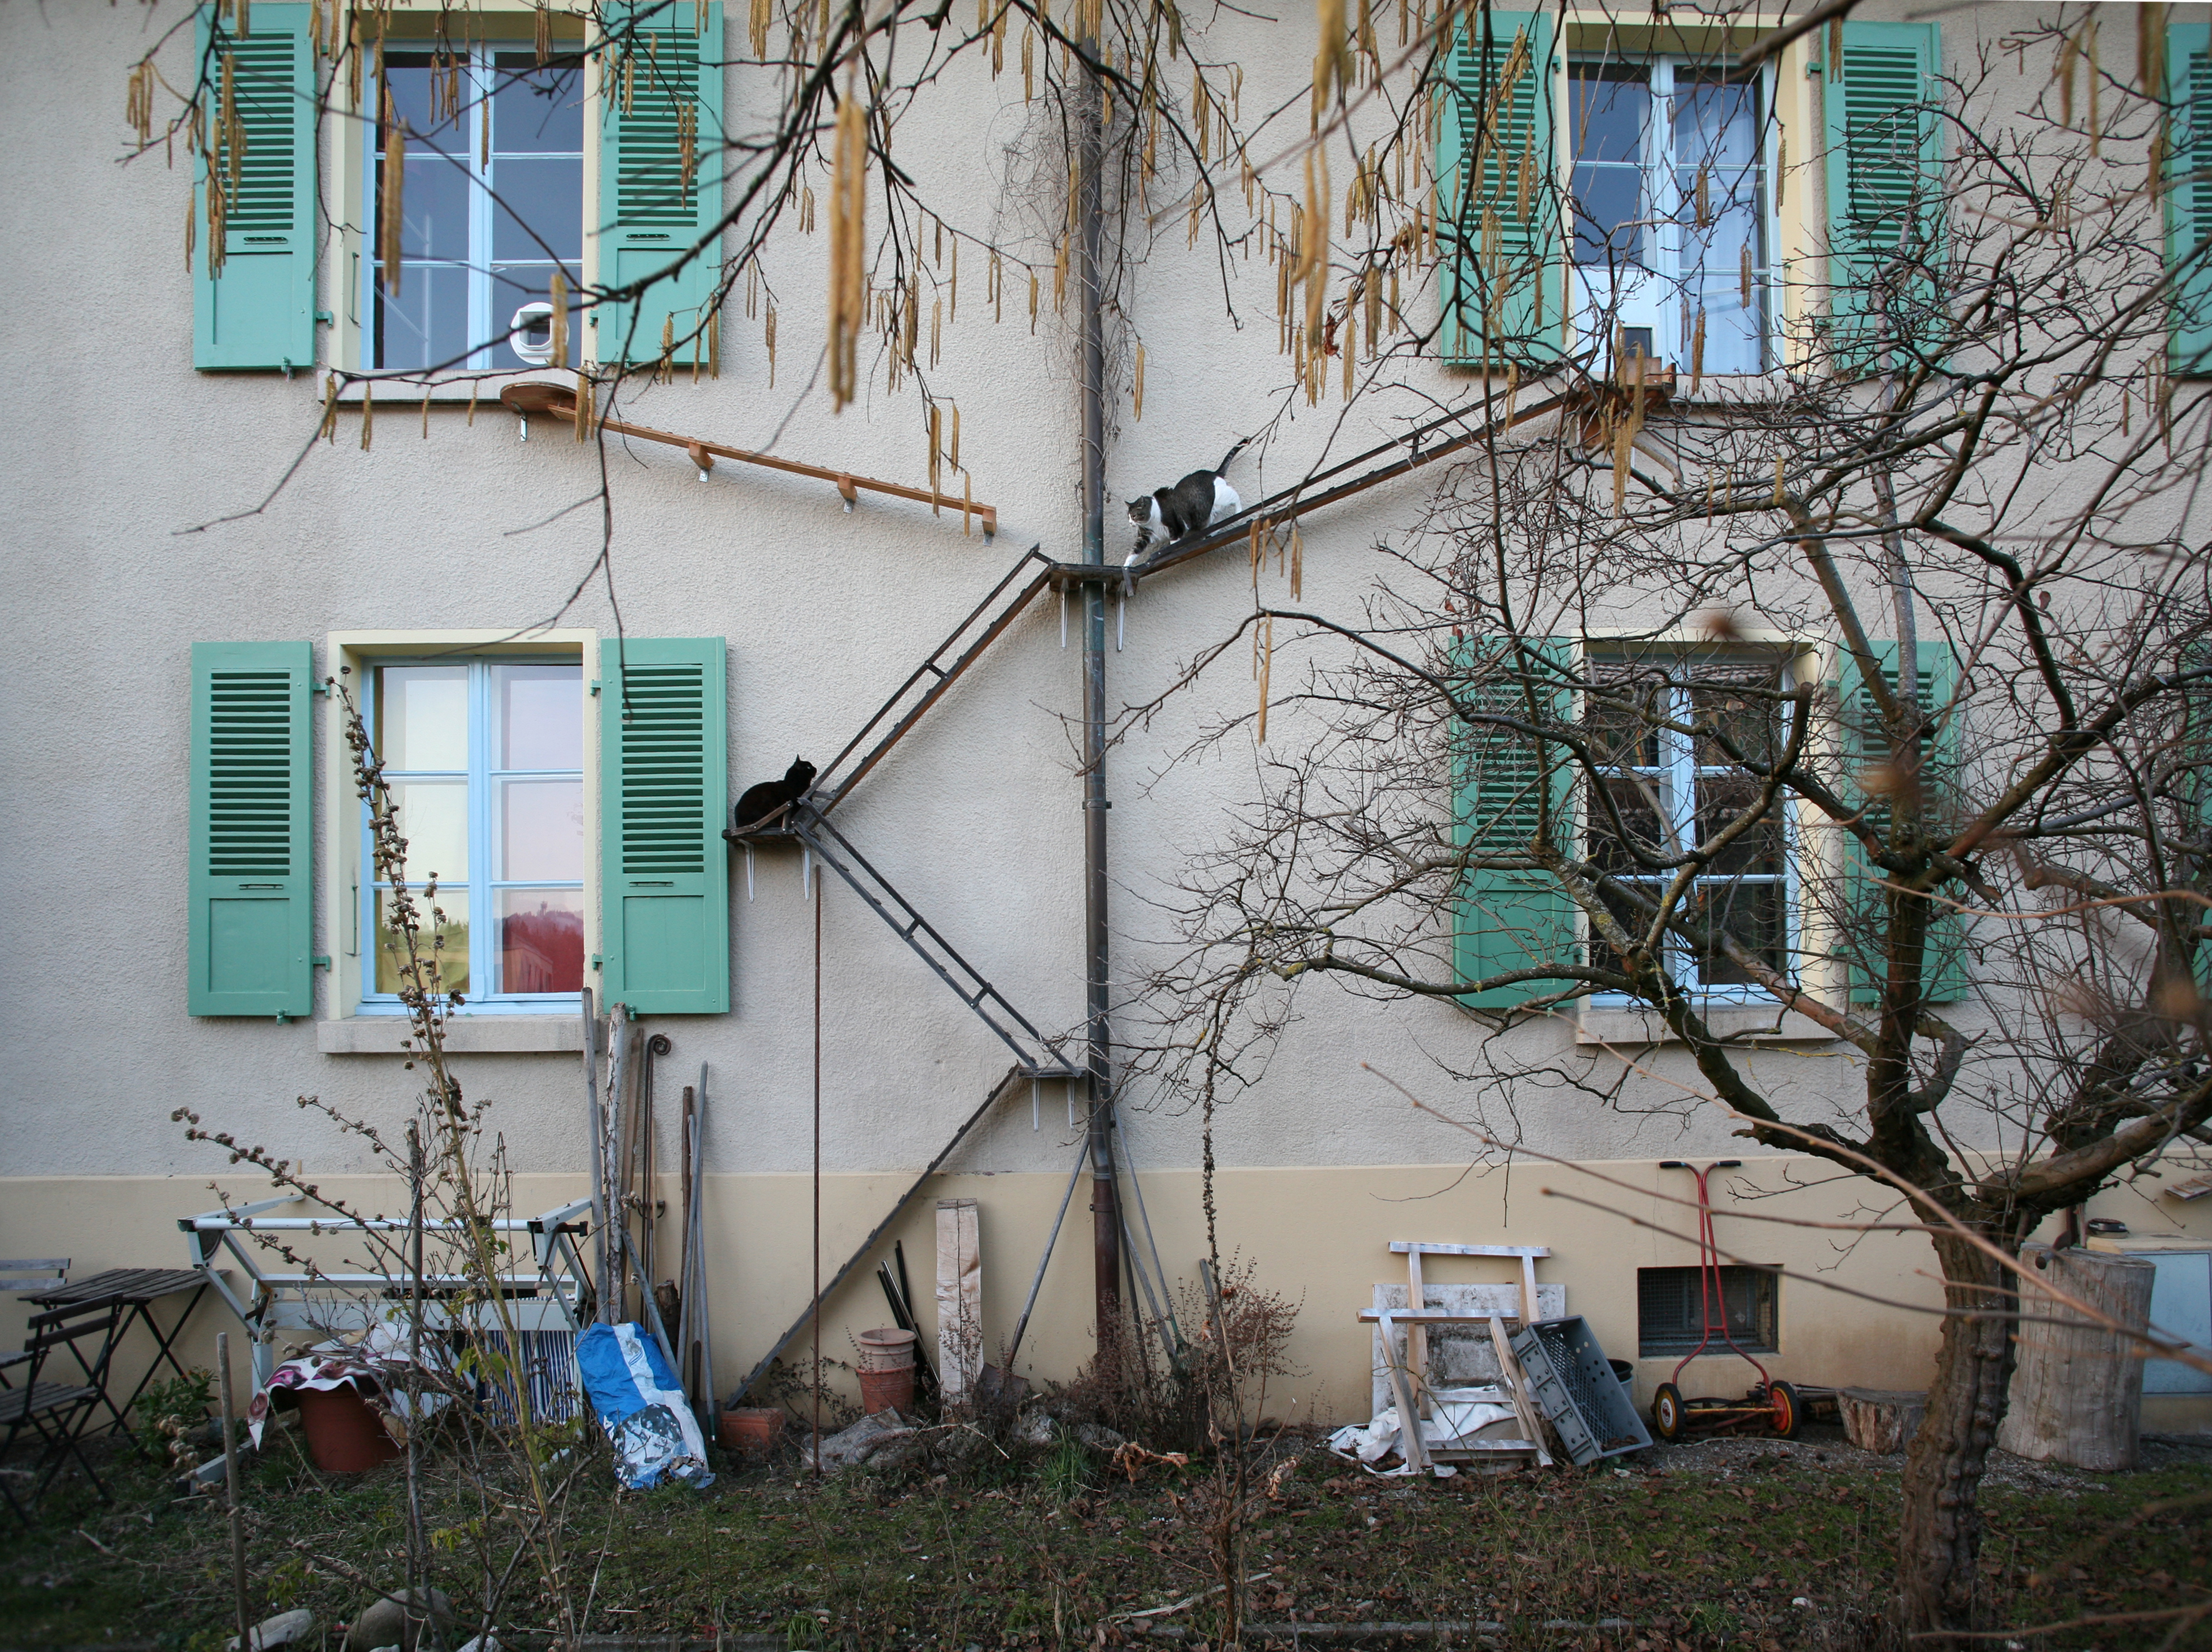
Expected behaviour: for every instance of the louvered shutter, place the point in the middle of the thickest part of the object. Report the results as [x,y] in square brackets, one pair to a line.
[1885,180]
[657,73]
[664,880]
[1866,744]
[252,914]
[2189,195]
[258,309]
[1510,787]
[1497,200]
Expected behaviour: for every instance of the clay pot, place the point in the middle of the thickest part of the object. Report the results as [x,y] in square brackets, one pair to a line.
[886,1350]
[753,1429]
[887,1390]
[343,1434]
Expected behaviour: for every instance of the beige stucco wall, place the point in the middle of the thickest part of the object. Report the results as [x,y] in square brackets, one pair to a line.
[117,448]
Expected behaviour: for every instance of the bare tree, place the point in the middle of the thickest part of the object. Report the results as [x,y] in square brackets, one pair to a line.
[1875,695]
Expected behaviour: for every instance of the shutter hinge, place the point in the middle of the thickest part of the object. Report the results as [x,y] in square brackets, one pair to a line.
[596,961]
[321,960]
[327,317]
[595,690]
[1813,70]
[282,1019]
[322,689]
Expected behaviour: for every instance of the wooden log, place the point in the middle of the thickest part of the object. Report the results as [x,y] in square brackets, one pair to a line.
[2077,1389]
[1881,1420]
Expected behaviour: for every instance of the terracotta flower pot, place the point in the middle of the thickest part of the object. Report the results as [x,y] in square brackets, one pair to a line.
[887,1390]
[886,1350]
[750,1429]
[343,1434]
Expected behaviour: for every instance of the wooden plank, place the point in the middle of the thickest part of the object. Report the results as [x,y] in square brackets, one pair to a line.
[1411,1446]
[1517,1382]
[1423,1245]
[1416,1335]
[1528,1288]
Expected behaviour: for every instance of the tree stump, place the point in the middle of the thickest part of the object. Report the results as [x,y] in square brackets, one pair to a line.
[1881,1420]
[2077,1390]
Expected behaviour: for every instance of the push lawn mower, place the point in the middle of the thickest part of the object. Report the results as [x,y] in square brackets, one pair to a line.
[1772,1405]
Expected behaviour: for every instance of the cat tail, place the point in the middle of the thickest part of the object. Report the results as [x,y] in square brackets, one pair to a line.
[1227,458]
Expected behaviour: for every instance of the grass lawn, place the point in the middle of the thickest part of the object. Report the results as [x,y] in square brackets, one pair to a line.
[1762,1547]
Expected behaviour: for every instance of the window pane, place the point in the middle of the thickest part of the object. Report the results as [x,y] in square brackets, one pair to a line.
[1608,210]
[1610,104]
[541,716]
[424,94]
[434,819]
[422,716]
[447,947]
[433,208]
[1751,915]
[541,940]
[426,323]
[1751,723]
[542,831]
[1724,800]
[1636,801]
[1619,718]
[540,213]
[537,109]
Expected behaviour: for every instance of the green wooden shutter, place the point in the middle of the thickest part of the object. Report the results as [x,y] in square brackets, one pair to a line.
[1943,970]
[1501,248]
[1885,177]
[2189,195]
[251,913]
[664,793]
[1505,781]
[258,309]
[649,216]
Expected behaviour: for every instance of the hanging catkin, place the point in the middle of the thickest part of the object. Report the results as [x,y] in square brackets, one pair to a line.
[368,413]
[936,453]
[664,369]
[1350,349]
[1259,529]
[1780,168]
[936,330]
[953,453]
[952,294]
[1298,561]
[1743,273]
[426,412]
[848,198]
[393,202]
[1780,462]
[2096,119]
[1330,52]
[1698,351]
[1314,264]
[1266,670]
[1138,397]
[768,330]
[1033,300]
[557,296]
[192,230]
[329,432]
[714,344]
[1029,63]
[544,31]
[759,29]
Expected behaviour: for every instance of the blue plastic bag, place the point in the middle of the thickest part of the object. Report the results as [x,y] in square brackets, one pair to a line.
[641,1407]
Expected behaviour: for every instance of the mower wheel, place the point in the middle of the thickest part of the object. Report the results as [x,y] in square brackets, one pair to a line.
[1782,1399]
[1667,1412]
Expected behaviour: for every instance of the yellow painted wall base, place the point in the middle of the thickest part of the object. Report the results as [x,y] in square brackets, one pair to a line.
[1318,1236]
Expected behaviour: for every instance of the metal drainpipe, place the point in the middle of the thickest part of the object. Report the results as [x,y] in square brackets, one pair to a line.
[1106,1219]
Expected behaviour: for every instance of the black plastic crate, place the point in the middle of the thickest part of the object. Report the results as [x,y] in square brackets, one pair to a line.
[1573,1385]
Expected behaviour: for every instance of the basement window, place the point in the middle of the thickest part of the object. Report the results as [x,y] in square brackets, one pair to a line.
[1671,1309]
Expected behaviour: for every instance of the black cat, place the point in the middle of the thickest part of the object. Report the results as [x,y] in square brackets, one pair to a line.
[762,805]
[1198,501]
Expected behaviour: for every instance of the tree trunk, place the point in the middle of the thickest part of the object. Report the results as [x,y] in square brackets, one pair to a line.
[1940,1537]
[2076,1395]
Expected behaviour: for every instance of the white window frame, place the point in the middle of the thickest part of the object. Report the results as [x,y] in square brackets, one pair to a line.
[1661,307]
[351,182]
[1679,768]
[346,921]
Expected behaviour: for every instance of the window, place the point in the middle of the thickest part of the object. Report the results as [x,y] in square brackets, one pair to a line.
[1667,191]
[1674,1307]
[1665,790]
[491,197]
[485,760]
[2181,1306]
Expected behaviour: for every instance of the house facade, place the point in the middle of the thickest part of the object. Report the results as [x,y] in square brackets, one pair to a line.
[293,482]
